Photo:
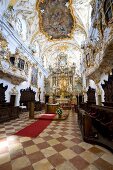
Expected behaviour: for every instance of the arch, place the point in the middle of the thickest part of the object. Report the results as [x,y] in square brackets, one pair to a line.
[50,54]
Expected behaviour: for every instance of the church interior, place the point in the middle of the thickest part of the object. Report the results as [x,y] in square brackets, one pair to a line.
[56,85]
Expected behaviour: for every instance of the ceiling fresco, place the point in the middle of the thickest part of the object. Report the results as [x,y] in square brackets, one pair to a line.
[56,18]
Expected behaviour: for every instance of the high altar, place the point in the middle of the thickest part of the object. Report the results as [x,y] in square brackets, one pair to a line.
[62,80]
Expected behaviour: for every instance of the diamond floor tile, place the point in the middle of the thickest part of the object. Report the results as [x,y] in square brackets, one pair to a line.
[79,163]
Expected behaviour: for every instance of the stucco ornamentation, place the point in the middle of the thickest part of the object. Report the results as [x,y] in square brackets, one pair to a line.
[13,91]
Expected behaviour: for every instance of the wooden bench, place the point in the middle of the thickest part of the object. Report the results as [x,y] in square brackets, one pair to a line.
[97,125]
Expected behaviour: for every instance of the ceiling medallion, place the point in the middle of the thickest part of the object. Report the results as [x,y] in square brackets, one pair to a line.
[56,19]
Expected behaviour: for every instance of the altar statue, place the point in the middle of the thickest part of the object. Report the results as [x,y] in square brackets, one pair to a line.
[62,95]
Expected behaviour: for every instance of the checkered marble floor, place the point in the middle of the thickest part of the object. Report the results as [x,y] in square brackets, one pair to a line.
[58,147]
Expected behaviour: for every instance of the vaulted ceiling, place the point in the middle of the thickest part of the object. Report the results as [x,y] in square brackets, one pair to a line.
[46,26]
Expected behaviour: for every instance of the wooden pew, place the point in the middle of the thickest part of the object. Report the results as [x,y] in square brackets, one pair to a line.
[96,124]
[7,112]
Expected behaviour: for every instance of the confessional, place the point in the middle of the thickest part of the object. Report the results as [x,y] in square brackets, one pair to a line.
[96,122]
[27,96]
[7,111]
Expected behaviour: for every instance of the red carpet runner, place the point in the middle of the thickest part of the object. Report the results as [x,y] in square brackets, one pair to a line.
[36,128]
[45,116]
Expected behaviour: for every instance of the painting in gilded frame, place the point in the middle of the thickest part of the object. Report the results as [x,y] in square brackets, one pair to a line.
[34,77]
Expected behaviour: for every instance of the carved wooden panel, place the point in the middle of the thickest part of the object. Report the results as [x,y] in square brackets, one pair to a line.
[108,89]
[2,93]
[91,95]
[27,95]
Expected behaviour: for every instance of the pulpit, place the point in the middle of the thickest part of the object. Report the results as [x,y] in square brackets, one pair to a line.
[51,108]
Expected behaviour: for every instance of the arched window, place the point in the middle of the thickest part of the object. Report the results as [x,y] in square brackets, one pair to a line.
[108,9]
[12,60]
[88,60]
[21,64]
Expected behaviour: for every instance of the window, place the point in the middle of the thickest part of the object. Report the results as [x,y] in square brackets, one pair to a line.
[92,13]
[12,60]
[87,59]
[26,66]
[21,64]
[108,9]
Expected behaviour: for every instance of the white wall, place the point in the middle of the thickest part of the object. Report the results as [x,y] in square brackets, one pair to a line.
[23,85]
[10,86]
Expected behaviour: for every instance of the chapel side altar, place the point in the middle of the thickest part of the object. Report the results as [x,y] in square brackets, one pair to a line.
[51,108]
